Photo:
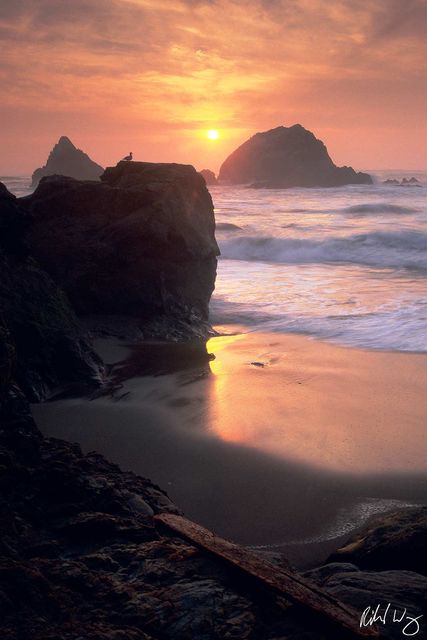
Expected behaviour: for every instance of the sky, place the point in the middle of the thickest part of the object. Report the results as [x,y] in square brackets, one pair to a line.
[153,76]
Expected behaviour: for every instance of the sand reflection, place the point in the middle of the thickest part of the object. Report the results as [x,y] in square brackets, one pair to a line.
[331,407]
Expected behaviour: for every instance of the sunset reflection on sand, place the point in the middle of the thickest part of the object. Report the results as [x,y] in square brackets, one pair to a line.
[337,408]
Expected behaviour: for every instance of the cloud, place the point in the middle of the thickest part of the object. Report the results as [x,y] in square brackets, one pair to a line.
[166,65]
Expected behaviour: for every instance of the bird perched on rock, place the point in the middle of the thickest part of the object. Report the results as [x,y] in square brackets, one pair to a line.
[128,158]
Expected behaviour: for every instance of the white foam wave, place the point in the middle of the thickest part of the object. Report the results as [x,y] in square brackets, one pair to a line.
[399,329]
[399,249]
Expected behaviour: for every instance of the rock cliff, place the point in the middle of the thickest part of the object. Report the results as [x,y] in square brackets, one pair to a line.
[50,347]
[140,243]
[286,157]
[66,160]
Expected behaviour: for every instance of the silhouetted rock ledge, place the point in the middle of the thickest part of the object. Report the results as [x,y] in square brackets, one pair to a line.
[141,244]
[66,160]
[286,157]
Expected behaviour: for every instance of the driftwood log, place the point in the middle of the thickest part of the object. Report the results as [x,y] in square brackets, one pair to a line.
[288,584]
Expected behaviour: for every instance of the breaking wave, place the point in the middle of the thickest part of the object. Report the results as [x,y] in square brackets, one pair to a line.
[379,208]
[399,249]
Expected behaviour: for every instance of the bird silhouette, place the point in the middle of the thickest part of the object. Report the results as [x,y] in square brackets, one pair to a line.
[128,158]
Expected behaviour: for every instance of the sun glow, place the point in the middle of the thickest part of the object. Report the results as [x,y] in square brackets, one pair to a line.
[213,134]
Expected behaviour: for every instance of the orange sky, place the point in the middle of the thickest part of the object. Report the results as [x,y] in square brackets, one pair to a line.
[152,76]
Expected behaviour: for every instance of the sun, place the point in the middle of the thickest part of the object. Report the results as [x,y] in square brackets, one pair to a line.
[213,134]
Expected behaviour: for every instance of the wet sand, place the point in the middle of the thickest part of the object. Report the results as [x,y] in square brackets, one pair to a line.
[280,442]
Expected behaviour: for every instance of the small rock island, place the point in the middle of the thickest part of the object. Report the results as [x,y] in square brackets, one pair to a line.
[66,160]
[286,157]
[209,176]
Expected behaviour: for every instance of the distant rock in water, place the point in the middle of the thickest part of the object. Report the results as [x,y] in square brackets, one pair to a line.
[66,160]
[209,176]
[286,157]
[391,181]
[405,182]
[140,243]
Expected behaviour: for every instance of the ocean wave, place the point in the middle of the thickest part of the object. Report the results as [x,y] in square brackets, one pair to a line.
[399,249]
[379,208]
[403,328]
[227,226]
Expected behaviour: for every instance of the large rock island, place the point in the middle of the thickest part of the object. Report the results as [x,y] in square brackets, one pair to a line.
[140,243]
[286,157]
[66,160]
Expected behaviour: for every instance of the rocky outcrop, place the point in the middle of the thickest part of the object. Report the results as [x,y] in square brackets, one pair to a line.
[286,157]
[396,540]
[50,347]
[209,176]
[140,243]
[66,160]
[405,182]
[399,596]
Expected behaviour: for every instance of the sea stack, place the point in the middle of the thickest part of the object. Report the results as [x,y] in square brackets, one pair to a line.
[66,160]
[286,157]
[209,176]
[139,243]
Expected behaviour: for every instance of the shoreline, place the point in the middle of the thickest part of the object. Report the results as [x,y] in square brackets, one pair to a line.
[164,428]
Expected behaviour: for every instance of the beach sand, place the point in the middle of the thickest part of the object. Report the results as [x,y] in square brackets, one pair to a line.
[280,442]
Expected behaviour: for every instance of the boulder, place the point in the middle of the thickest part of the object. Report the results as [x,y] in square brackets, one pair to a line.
[139,243]
[209,176]
[66,160]
[286,157]
[397,596]
[38,325]
[396,540]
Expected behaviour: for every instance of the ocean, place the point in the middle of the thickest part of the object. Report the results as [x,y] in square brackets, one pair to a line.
[346,265]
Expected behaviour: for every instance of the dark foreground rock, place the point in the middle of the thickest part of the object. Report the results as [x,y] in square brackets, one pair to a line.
[140,243]
[66,160]
[81,557]
[286,157]
[399,596]
[51,349]
[396,540]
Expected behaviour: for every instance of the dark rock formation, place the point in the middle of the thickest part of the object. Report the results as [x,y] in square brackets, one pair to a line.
[400,596]
[396,540]
[66,160]
[51,348]
[140,243]
[286,157]
[209,176]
